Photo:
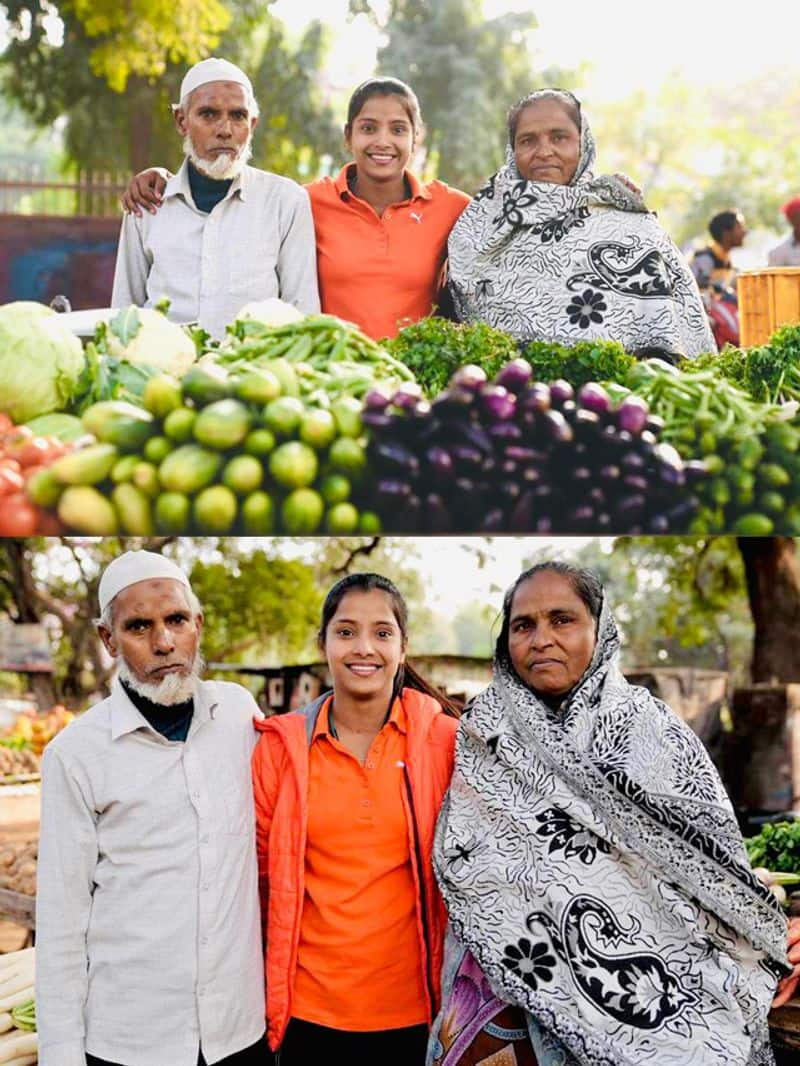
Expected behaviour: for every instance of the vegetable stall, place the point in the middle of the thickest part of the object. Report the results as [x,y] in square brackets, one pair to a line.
[301,424]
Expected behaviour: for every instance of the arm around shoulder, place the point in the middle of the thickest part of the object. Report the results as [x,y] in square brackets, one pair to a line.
[297,259]
[132,266]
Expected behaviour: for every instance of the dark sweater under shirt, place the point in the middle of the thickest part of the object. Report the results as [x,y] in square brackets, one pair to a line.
[171,722]
[206,192]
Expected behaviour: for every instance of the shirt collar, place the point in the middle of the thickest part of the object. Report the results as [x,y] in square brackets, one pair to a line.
[720,252]
[127,718]
[397,718]
[178,184]
[418,190]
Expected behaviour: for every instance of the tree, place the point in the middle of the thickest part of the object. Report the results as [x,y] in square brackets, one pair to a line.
[117,68]
[466,70]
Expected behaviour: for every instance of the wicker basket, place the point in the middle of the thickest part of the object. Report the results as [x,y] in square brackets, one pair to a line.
[767,299]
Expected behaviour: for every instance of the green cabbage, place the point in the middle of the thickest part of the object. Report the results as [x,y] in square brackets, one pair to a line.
[40,361]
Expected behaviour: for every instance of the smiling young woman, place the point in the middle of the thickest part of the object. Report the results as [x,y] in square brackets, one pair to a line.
[347,792]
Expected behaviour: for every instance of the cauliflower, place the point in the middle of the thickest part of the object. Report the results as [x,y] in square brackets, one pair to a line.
[272,312]
[141,335]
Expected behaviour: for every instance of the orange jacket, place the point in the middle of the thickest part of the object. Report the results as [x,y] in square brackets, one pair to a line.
[280,788]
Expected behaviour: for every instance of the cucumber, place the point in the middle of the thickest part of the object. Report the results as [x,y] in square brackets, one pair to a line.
[63,427]
[285,373]
[178,424]
[773,475]
[214,509]
[133,510]
[223,424]
[189,469]
[43,488]
[161,395]
[120,423]
[257,385]
[206,383]
[85,510]
[173,510]
[123,469]
[86,466]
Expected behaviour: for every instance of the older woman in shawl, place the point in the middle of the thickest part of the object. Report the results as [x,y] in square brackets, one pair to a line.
[602,908]
[546,251]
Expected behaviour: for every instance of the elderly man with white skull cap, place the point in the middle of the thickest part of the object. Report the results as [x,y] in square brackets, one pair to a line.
[148,930]
[228,233]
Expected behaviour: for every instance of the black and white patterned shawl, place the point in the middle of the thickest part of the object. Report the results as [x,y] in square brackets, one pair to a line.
[591,862]
[566,263]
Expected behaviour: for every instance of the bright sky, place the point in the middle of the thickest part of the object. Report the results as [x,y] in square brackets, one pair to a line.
[629,44]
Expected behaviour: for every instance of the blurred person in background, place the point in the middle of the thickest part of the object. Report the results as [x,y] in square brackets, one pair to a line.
[787,253]
[711,264]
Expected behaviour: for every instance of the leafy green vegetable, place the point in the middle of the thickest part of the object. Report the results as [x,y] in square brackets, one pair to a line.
[107,378]
[435,348]
[770,372]
[583,362]
[777,847]
[41,360]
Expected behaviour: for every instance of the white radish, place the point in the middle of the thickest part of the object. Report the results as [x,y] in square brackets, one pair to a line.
[13,980]
[6,1023]
[24,1060]
[17,999]
[779,892]
[17,1044]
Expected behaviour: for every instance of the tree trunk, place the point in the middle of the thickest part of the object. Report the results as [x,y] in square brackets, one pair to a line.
[23,592]
[772,572]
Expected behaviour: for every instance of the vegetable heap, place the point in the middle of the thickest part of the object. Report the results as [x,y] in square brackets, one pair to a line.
[19,1043]
[511,455]
[24,459]
[40,361]
[751,451]
[777,847]
[769,373]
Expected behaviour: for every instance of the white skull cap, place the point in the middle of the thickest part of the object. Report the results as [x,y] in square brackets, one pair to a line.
[132,567]
[214,69]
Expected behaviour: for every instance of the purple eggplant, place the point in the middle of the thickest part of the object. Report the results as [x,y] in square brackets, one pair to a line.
[376,400]
[530,475]
[496,402]
[609,472]
[682,513]
[628,511]
[392,491]
[543,524]
[659,524]
[655,424]
[587,424]
[514,376]
[695,470]
[436,516]
[466,458]
[393,457]
[636,483]
[509,468]
[648,437]
[378,420]
[509,491]
[632,415]
[439,462]
[597,496]
[407,395]
[560,392]
[535,398]
[470,377]
[579,519]
[505,432]
[523,514]
[493,521]
[593,397]
[557,427]
[472,433]
[569,410]
[453,404]
[632,462]
[669,465]
[582,475]
[521,453]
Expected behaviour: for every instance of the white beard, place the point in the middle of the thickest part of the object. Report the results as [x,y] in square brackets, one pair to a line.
[222,168]
[172,689]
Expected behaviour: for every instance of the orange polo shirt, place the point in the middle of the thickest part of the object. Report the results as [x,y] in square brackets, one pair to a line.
[359,965]
[381,273]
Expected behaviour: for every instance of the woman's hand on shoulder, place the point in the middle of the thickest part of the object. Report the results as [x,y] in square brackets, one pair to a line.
[629,183]
[788,985]
[145,189]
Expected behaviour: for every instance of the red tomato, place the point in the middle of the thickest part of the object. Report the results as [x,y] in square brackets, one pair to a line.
[10,480]
[18,516]
[5,423]
[49,525]
[29,452]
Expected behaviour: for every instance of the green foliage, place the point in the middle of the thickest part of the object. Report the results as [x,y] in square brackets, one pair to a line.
[777,847]
[435,348]
[467,71]
[115,87]
[256,605]
[770,373]
[585,361]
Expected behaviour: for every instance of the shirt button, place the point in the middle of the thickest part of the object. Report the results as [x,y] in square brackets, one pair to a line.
[205,888]
[370,765]
[204,838]
[365,803]
[204,941]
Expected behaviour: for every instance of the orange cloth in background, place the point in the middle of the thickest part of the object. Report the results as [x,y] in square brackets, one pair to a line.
[381,273]
[358,964]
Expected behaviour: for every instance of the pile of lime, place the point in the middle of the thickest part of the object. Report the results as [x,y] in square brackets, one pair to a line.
[214,453]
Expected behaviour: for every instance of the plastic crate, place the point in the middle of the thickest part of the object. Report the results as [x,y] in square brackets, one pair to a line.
[767,299]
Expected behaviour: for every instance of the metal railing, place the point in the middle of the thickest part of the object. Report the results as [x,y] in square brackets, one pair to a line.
[28,191]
